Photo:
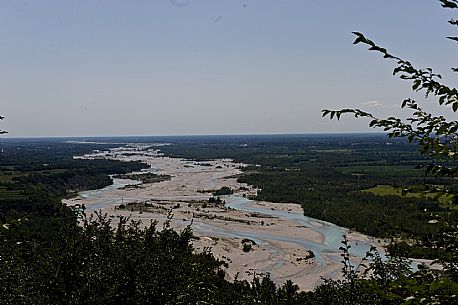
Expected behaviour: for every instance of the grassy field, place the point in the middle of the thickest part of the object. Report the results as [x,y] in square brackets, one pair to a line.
[11,194]
[387,190]
[6,178]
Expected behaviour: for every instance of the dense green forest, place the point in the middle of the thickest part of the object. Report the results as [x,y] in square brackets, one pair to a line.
[36,174]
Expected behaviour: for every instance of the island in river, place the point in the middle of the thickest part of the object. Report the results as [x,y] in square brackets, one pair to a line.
[251,237]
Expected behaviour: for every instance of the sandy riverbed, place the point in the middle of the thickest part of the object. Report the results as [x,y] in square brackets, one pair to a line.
[219,229]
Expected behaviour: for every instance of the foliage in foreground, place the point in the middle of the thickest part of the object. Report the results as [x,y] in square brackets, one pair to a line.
[94,263]
[436,137]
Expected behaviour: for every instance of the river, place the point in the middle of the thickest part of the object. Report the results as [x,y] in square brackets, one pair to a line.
[289,234]
[332,235]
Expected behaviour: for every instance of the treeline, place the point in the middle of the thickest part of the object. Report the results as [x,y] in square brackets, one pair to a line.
[97,264]
[145,177]
[287,150]
[35,176]
[327,194]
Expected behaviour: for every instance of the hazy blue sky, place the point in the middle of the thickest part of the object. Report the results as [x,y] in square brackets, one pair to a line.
[158,67]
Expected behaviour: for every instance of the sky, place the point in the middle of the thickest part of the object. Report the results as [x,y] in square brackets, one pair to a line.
[184,67]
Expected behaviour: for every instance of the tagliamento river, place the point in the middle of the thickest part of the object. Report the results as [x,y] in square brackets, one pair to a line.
[325,250]
[281,235]
[332,234]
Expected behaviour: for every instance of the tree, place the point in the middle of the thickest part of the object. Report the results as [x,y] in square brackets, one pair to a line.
[435,135]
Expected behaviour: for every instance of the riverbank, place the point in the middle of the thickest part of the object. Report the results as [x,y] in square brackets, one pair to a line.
[251,237]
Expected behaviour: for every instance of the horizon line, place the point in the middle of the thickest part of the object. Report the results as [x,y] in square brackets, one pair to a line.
[196,135]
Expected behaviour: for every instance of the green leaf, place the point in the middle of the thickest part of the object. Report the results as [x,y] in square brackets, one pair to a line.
[360,38]
[442,99]
[455,106]
[449,4]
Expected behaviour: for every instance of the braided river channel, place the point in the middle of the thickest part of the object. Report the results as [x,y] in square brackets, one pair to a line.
[325,244]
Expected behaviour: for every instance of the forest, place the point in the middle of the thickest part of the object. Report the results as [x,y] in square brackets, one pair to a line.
[36,174]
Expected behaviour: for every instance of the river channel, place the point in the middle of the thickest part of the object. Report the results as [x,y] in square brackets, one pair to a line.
[328,248]
[282,234]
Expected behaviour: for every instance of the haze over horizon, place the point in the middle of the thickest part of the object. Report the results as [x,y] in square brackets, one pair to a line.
[189,67]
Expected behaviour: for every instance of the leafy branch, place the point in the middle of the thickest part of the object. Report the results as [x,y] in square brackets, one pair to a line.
[436,136]
[449,3]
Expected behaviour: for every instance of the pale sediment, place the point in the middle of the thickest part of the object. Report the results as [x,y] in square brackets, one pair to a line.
[219,229]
